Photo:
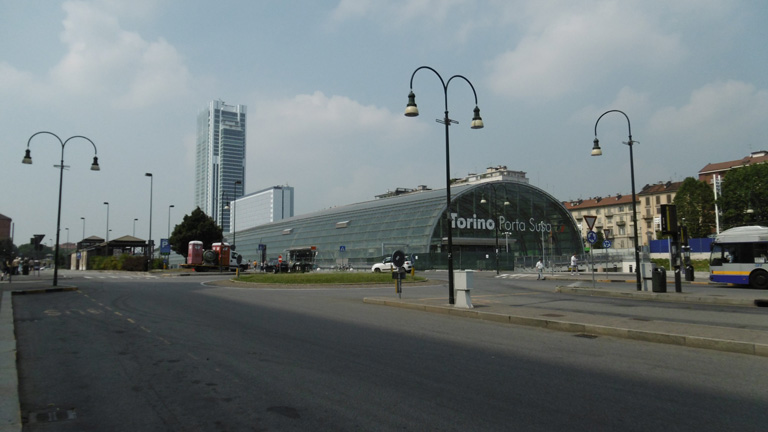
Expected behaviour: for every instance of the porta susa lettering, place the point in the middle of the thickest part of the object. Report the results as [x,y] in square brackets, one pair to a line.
[503,224]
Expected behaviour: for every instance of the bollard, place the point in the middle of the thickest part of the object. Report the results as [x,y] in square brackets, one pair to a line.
[463,285]
[659,280]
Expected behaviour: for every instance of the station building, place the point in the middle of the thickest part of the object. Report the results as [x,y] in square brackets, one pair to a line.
[492,213]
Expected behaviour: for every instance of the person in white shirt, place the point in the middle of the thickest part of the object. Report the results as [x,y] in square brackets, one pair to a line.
[540,268]
[574,264]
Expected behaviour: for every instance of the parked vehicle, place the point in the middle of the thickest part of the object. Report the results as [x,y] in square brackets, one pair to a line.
[388,266]
[275,266]
[218,258]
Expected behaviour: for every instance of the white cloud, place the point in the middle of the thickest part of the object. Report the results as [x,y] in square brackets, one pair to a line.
[571,50]
[398,11]
[715,114]
[110,63]
[333,149]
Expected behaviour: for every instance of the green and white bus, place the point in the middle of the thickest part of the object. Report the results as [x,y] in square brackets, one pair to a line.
[740,256]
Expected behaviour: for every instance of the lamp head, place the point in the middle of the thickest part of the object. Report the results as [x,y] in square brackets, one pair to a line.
[477,121]
[411,110]
[95,164]
[483,201]
[27,158]
[148,175]
[596,151]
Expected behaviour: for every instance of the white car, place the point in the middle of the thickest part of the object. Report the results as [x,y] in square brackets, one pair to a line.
[388,266]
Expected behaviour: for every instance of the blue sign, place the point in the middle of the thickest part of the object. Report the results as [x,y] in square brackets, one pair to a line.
[342,248]
[262,247]
[165,247]
[607,244]
[591,237]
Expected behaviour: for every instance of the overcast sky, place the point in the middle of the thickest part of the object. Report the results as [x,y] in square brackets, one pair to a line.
[326,84]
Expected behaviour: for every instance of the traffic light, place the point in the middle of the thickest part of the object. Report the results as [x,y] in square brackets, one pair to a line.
[668,219]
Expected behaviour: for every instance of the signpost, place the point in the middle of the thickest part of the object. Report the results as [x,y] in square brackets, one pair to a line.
[398,259]
[592,238]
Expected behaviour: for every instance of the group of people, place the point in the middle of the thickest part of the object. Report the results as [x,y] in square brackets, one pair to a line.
[574,267]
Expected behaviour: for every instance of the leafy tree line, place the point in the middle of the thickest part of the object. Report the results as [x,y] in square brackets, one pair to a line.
[743,200]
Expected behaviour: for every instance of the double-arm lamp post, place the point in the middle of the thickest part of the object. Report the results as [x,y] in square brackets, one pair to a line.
[94,167]
[477,123]
[596,151]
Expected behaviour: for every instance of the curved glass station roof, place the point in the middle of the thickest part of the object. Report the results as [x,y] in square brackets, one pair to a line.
[524,221]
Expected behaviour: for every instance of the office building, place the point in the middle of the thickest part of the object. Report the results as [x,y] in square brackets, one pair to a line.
[220,159]
[262,207]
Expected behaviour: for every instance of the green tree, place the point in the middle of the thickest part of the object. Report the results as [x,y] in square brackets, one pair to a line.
[195,226]
[695,203]
[744,199]
[7,251]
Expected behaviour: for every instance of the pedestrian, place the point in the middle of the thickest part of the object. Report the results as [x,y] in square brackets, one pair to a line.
[540,268]
[574,264]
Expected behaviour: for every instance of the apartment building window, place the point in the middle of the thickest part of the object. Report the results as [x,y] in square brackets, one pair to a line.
[647,201]
[669,199]
[622,231]
[658,199]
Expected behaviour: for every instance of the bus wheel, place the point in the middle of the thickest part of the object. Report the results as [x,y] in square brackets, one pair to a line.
[759,279]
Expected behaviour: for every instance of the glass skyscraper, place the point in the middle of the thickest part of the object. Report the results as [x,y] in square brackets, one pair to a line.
[220,159]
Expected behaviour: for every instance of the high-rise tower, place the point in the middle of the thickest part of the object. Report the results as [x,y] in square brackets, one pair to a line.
[220,159]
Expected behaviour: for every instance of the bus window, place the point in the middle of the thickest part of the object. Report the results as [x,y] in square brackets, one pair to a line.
[716,258]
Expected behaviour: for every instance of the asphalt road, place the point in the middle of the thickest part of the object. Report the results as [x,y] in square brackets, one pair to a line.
[171,354]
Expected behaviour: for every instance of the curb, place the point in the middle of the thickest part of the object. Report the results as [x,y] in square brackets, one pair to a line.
[10,408]
[661,297]
[573,327]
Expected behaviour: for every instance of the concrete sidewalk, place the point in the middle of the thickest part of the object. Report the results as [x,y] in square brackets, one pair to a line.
[10,408]
[733,336]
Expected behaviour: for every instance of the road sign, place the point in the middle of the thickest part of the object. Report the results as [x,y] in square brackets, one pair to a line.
[280,259]
[398,258]
[342,248]
[262,247]
[590,220]
[591,237]
[607,244]
[165,247]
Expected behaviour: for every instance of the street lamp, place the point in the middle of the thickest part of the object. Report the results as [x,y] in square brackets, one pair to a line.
[106,249]
[234,216]
[596,151]
[149,241]
[477,123]
[83,218]
[169,219]
[67,229]
[94,167]
[134,226]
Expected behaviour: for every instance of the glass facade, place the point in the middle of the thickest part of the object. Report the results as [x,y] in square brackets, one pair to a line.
[524,221]
[220,158]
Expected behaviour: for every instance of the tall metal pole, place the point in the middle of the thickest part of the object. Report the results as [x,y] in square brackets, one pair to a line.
[169,220]
[234,217]
[106,248]
[94,167]
[477,123]
[596,151]
[151,249]
[83,218]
